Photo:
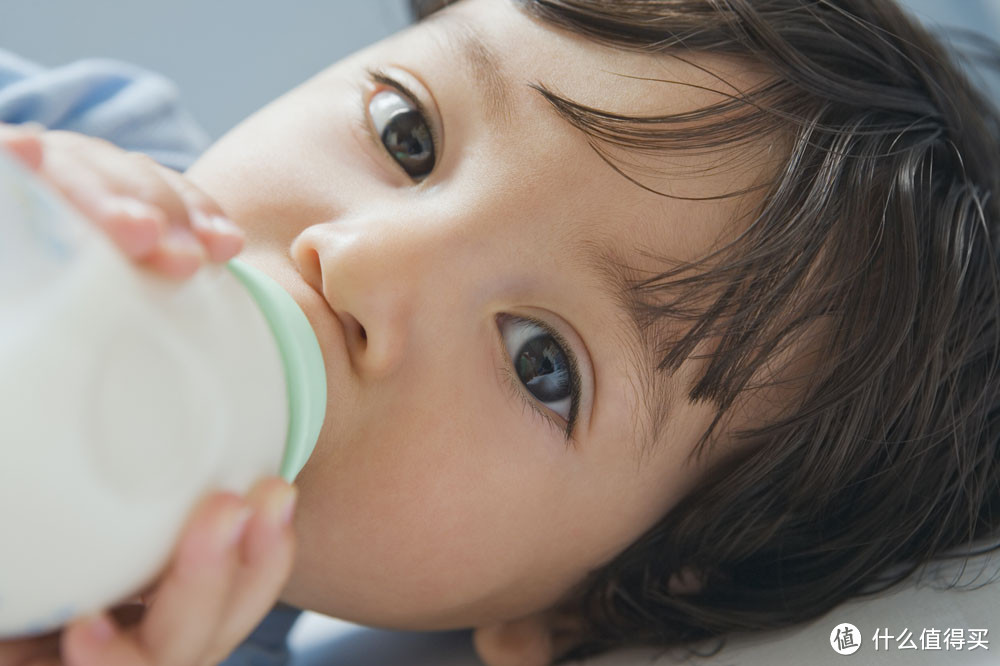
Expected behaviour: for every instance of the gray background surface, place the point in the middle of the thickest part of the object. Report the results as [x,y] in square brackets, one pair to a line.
[230,57]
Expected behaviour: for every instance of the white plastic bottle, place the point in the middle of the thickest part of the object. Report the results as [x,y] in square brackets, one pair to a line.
[124,398]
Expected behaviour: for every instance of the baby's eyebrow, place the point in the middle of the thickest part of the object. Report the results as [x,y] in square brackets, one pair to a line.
[484,69]
[482,66]
[606,261]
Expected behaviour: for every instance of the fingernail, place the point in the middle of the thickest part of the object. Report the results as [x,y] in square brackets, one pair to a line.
[281,505]
[215,223]
[182,241]
[100,628]
[226,226]
[225,239]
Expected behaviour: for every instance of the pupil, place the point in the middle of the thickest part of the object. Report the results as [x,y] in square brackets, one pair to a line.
[408,139]
[542,366]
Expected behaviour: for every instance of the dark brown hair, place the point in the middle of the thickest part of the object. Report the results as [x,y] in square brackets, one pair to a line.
[881,223]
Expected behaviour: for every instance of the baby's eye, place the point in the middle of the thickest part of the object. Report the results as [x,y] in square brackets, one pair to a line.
[403,131]
[541,363]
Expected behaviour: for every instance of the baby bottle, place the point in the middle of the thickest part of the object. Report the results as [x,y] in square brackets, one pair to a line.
[124,398]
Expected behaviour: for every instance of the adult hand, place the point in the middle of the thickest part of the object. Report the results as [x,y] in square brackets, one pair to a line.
[231,563]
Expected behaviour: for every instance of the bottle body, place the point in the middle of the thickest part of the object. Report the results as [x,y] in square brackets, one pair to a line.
[124,398]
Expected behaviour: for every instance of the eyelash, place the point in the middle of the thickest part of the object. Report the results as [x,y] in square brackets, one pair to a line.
[380,76]
[517,386]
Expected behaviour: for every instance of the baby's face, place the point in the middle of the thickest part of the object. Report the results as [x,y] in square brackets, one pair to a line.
[443,491]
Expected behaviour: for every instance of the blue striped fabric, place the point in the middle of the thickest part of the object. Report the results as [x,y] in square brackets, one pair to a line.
[124,104]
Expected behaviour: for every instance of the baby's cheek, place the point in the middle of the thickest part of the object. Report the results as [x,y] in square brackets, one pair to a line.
[443,521]
[420,535]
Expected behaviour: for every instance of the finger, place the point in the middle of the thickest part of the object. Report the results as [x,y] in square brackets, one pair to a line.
[102,639]
[24,142]
[89,170]
[266,561]
[178,256]
[135,226]
[191,600]
[129,174]
[220,236]
[98,641]
[179,252]
[179,626]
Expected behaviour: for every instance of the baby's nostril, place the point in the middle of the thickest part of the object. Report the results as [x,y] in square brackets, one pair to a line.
[356,334]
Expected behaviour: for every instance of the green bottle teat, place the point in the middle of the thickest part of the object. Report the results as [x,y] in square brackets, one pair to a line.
[305,374]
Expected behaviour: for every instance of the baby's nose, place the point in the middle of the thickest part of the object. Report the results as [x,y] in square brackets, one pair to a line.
[372,284]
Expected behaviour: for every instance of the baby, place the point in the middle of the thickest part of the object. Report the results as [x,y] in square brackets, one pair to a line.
[644,322]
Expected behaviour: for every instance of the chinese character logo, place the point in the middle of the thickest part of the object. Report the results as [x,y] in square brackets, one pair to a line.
[845,638]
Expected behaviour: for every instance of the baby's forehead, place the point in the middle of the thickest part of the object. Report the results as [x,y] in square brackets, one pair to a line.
[511,55]
[595,74]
